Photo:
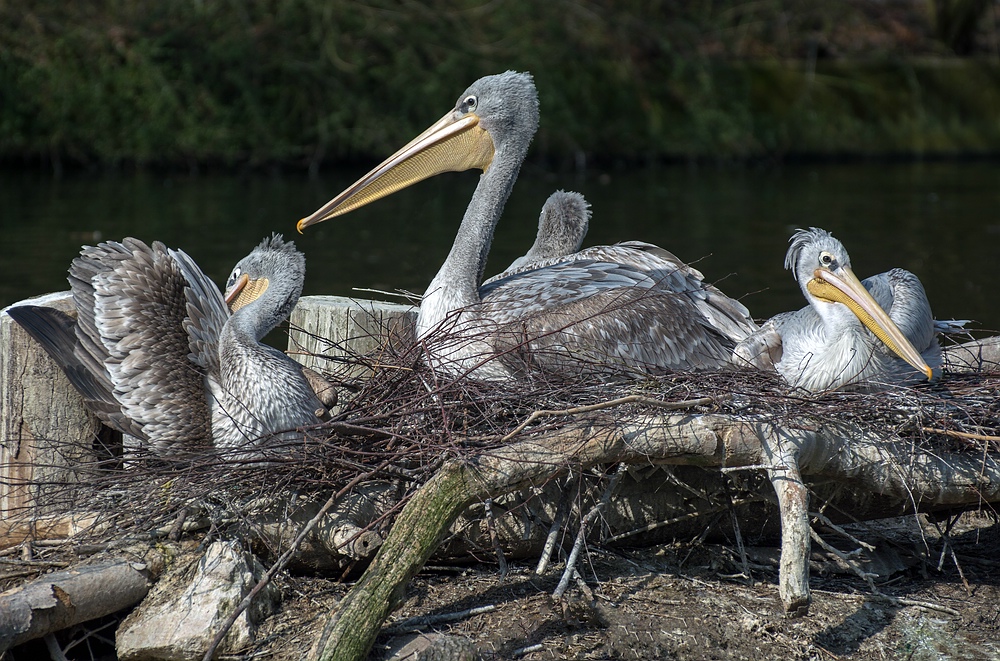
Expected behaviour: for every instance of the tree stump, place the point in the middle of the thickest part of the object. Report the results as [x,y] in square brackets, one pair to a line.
[327,329]
[46,431]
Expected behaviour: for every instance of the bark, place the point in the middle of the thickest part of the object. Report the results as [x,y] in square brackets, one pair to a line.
[894,472]
[61,599]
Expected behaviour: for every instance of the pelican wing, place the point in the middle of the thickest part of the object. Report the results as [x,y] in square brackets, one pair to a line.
[206,314]
[56,331]
[139,312]
[669,273]
[902,296]
[763,348]
[605,314]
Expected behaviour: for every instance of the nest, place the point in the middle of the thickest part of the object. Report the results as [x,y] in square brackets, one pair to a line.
[404,421]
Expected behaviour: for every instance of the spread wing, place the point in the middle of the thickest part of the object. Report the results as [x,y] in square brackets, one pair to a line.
[56,332]
[133,309]
[206,313]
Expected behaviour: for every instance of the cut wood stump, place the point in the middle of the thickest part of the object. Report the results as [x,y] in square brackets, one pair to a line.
[46,431]
[328,330]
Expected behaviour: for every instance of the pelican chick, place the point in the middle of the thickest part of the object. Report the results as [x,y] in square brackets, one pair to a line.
[160,354]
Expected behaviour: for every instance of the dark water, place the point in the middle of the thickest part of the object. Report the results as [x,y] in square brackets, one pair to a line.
[940,220]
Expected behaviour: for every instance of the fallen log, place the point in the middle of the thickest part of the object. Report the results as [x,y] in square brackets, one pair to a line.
[816,449]
[64,598]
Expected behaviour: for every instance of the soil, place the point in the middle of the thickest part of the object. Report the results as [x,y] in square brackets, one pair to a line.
[688,600]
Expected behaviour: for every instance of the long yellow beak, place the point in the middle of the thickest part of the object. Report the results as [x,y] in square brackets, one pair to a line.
[847,289]
[451,144]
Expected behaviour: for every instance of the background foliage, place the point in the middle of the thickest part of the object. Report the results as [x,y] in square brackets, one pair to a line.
[301,83]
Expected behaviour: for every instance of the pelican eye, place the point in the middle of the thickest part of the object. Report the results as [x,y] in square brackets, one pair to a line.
[826,259]
[233,277]
[469,103]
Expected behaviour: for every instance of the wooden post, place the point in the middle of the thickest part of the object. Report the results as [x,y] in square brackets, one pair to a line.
[46,432]
[325,329]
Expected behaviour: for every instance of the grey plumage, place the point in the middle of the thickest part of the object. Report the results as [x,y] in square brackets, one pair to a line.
[562,225]
[157,354]
[826,345]
[566,317]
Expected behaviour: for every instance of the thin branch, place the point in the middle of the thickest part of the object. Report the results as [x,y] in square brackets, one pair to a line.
[629,399]
[960,434]
[283,560]
[427,620]
[582,534]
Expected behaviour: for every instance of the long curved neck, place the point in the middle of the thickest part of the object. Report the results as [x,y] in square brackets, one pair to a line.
[252,322]
[456,284]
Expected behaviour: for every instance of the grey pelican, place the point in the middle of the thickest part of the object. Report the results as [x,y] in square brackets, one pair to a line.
[562,227]
[570,317]
[157,354]
[852,333]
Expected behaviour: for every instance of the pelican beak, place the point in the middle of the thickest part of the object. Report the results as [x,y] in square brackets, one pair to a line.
[244,292]
[844,287]
[451,144]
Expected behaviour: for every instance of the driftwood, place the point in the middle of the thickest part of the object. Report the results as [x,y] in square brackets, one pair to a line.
[894,471]
[61,599]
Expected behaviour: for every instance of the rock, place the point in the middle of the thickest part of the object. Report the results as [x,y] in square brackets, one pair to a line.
[432,647]
[188,607]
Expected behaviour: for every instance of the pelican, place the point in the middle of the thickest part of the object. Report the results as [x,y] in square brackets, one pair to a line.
[570,317]
[852,333]
[562,226]
[158,355]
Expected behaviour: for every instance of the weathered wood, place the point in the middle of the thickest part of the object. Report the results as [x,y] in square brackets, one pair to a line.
[46,431]
[61,599]
[975,356]
[18,529]
[826,450]
[326,329]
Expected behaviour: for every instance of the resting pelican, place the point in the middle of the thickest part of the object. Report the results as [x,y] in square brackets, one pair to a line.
[562,226]
[157,354]
[852,333]
[569,317]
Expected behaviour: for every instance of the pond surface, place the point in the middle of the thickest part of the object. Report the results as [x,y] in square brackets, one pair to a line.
[939,220]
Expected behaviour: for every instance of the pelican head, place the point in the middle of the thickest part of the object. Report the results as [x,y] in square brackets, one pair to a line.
[495,113]
[822,268]
[274,272]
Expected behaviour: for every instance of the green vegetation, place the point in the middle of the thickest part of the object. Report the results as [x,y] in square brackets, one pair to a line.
[301,83]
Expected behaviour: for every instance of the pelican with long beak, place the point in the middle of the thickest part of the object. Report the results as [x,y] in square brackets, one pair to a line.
[853,333]
[160,354]
[572,316]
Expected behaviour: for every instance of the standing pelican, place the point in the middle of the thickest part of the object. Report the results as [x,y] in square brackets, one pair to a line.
[569,317]
[562,226]
[852,333]
[157,354]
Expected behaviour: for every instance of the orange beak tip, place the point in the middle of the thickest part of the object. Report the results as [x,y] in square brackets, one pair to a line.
[299,226]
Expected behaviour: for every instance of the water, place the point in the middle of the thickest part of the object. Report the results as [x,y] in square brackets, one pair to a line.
[939,220]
